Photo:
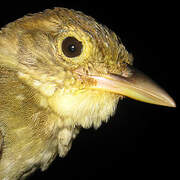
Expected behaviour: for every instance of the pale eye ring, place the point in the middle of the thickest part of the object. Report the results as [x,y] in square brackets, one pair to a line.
[71,47]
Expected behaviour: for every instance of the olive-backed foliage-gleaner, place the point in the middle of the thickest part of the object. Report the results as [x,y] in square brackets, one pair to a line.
[60,71]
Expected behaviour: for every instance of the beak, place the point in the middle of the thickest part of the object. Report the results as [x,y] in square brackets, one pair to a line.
[138,86]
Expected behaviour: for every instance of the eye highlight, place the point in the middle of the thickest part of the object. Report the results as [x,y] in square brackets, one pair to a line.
[71,47]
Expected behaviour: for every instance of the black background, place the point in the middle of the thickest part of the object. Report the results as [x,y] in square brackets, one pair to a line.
[140,140]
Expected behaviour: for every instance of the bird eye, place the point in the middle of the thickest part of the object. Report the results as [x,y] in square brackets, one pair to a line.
[71,47]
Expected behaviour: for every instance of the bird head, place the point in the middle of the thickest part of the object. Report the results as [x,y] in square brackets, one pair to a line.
[79,68]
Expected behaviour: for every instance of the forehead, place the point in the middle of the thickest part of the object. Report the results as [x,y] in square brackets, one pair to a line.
[71,18]
[78,19]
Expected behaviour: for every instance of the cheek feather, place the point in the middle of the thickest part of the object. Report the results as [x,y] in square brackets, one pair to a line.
[86,109]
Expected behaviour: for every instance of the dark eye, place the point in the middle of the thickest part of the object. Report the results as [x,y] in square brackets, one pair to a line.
[71,47]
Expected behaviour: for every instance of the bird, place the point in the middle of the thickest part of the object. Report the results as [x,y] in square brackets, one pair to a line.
[60,71]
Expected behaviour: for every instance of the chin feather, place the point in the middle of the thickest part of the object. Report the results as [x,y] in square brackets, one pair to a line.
[85,109]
